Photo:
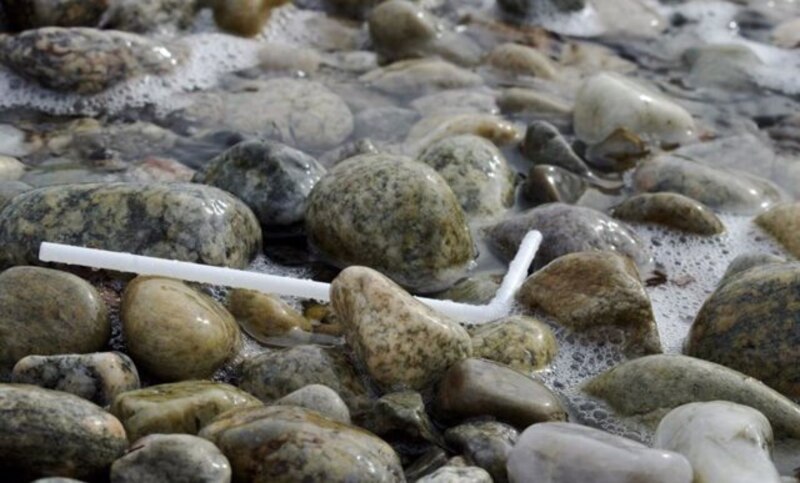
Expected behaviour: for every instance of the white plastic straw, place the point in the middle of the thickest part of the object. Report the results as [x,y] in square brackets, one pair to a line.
[288,286]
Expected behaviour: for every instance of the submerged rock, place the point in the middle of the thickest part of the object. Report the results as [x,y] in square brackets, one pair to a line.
[522,343]
[658,382]
[672,210]
[263,315]
[552,184]
[519,59]
[96,60]
[319,398]
[544,144]
[783,223]
[149,15]
[178,221]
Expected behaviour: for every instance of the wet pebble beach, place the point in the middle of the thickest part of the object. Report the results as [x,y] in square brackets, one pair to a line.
[398,149]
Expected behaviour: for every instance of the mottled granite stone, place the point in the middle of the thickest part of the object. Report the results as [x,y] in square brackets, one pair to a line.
[520,342]
[783,223]
[671,210]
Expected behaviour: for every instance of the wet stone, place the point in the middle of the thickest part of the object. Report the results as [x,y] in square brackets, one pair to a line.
[567,229]
[10,169]
[98,377]
[144,219]
[477,172]
[277,57]
[44,432]
[567,453]
[388,124]
[533,7]
[150,15]
[418,77]
[99,60]
[530,101]
[263,315]
[456,101]
[726,66]
[400,29]
[402,343]
[275,374]
[243,17]
[745,262]
[172,457]
[10,189]
[486,444]
[730,328]
[672,210]
[399,418]
[550,184]
[431,460]
[284,444]
[365,211]
[479,289]
[544,144]
[520,342]
[27,14]
[519,59]
[441,126]
[477,387]
[181,407]
[453,474]
[319,398]
[175,332]
[45,311]
[619,152]
[783,223]
[273,179]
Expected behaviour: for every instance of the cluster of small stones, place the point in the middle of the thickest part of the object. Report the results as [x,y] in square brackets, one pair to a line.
[390,147]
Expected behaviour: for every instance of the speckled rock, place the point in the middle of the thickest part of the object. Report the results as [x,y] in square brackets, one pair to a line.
[45,433]
[544,144]
[418,77]
[45,311]
[551,184]
[746,261]
[181,407]
[567,453]
[402,342]
[567,229]
[457,474]
[27,14]
[275,374]
[10,169]
[608,101]
[486,444]
[724,442]
[273,179]
[319,398]
[719,189]
[477,387]
[730,328]
[172,221]
[97,377]
[477,172]
[520,342]
[400,418]
[263,315]
[172,457]
[10,189]
[243,17]
[148,15]
[479,289]
[365,211]
[672,210]
[175,332]
[286,444]
[783,223]
[647,384]
[533,7]
[519,59]
[98,59]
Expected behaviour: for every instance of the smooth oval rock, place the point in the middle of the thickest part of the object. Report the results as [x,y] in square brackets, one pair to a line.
[477,172]
[520,342]
[263,315]
[519,59]
[658,382]
[273,179]
[783,223]
[45,311]
[544,144]
[418,77]
[436,127]
[672,210]
[243,17]
[175,332]
[724,442]
[457,474]
[365,211]
[567,229]
[401,341]
[10,169]
[486,444]
[401,29]
[551,184]
[749,324]
[477,387]
[745,262]
[98,377]
[400,418]
[319,398]
[181,407]
[608,101]
[286,444]
[566,453]
[177,221]
[172,457]
[45,433]
[97,60]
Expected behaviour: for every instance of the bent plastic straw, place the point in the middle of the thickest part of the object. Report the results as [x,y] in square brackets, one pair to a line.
[500,305]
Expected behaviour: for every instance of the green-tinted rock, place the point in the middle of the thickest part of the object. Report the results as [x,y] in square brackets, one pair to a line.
[660,382]
[172,458]
[486,444]
[187,222]
[477,387]
[263,315]
[745,262]
[45,311]
[287,444]
[522,343]
[586,290]
[671,210]
[98,377]
[175,332]
[47,433]
[181,407]
[783,223]
[367,211]
[402,343]
[750,324]
[319,398]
